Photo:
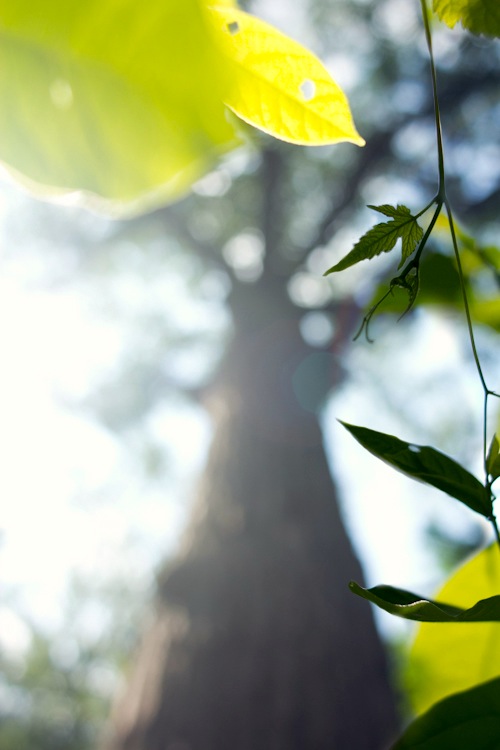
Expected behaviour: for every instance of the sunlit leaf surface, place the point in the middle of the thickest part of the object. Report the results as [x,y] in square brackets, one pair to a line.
[114,98]
[478,16]
[447,658]
[279,86]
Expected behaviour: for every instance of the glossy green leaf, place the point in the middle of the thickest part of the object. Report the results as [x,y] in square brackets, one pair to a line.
[279,86]
[447,658]
[478,16]
[382,237]
[426,465]
[114,98]
[468,720]
[413,607]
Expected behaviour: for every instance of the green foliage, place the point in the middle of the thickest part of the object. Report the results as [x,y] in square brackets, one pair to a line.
[413,607]
[461,722]
[299,102]
[125,104]
[426,465]
[382,237]
[128,106]
[56,694]
[478,16]
[110,100]
[456,647]
[449,657]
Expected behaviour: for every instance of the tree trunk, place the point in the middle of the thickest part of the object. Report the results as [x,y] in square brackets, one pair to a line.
[257,643]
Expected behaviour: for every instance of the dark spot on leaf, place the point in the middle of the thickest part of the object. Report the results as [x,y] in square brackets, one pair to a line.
[233,27]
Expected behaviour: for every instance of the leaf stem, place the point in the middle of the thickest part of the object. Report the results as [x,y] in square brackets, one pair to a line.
[442,199]
[441,195]
[464,297]
[428,231]
[495,528]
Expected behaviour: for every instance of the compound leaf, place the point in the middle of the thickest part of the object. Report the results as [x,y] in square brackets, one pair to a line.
[427,465]
[478,16]
[382,237]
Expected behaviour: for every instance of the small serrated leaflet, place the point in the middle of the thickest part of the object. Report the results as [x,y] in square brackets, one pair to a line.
[392,211]
[382,237]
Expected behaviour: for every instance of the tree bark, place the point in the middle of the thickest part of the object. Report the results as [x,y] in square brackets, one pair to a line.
[257,643]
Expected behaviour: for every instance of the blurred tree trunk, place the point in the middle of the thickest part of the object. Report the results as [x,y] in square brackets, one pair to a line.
[256,642]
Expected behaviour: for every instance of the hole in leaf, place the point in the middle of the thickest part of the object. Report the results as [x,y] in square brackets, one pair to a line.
[233,27]
[308,89]
[61,94]
[414,448]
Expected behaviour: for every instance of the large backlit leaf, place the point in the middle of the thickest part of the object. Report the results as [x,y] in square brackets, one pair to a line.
[413,607]
[447,658]
[427,465]
[479,16]
[119,99]
[279,86]
[468,720]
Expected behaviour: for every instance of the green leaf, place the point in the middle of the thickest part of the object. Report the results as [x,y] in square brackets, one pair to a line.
[427,465]
[493,459]
[279,86]
[468,720]
[119,100]
[382,237]
[447,658]
[478,16]
[413,607]
[411,231]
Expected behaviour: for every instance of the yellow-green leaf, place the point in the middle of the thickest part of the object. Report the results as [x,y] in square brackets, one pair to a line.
[478,16]
[279,86]
[116,99]
[448,658]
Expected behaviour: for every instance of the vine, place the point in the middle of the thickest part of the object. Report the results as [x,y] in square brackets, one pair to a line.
[439,727]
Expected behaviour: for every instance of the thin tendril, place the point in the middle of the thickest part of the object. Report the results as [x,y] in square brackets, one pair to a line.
[441,199]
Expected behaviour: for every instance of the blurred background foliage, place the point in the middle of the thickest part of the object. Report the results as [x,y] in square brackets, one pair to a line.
[157,297]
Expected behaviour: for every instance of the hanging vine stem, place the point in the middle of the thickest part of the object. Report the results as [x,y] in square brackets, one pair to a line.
[441,200]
